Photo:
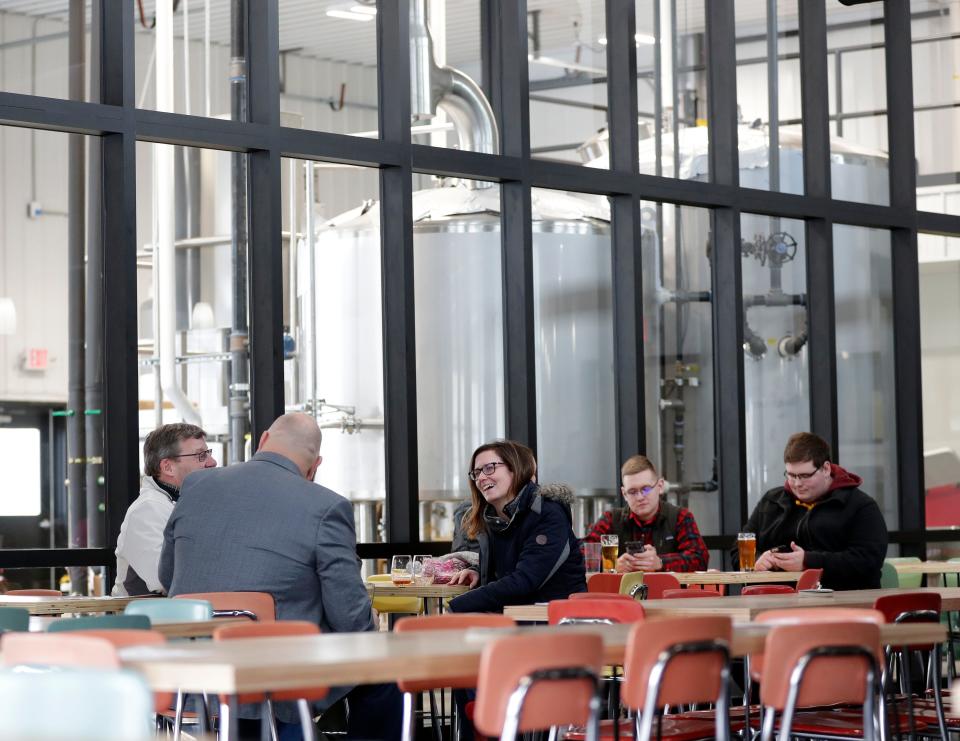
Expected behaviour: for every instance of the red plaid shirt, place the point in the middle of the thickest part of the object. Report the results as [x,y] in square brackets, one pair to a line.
[691,553]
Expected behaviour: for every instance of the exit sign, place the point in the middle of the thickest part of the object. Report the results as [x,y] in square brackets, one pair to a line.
[36,359]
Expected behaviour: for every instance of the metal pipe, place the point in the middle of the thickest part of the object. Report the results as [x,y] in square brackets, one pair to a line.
[292,283]
[312,263]
[166,297]
[239,368]
[773,96]
[76,290]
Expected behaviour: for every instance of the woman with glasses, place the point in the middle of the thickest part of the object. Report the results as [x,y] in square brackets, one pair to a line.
[651,534]
[523,533]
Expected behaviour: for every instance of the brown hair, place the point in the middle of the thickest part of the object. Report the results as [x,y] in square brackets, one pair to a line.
[637,464]
[805,446]
[521,462]
[164,442]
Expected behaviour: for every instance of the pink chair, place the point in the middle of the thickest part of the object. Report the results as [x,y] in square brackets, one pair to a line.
[34,593]
[755,589]
[604,582]
[601,595]
[254,605]
[687,594]
[601,610]
[659,581]
[809,579]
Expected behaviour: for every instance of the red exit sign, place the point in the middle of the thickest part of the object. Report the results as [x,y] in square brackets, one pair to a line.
[36,359]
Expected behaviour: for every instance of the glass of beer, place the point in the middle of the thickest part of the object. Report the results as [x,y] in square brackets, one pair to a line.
[401,571]
[747,550]
[609,547]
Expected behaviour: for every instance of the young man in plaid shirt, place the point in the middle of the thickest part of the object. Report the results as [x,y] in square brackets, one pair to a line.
[654,535]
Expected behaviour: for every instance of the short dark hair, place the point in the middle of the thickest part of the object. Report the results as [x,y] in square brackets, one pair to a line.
[805,446]
[164,442]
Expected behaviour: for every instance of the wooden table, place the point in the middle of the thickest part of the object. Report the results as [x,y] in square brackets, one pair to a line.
[193,629]
[737,577]
[432,594]
[60,605]
[929,569]
[745,609]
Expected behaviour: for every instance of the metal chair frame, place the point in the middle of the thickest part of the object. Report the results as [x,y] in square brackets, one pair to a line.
[511,723]
[933,671]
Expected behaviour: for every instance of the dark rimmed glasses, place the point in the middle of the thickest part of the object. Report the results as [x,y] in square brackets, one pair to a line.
[487,470]
[201,455]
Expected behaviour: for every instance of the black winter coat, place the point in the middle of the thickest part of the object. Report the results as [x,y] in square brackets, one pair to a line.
[844,534]
[539,556]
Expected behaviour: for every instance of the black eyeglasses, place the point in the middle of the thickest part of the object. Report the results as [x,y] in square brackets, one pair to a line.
[643,490]
[201,455]
[800,476]
[487,470]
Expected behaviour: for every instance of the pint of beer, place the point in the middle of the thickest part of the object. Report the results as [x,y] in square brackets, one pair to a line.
[747,550]
[609,547]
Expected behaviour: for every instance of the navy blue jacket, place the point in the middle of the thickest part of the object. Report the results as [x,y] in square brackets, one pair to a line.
[538,557]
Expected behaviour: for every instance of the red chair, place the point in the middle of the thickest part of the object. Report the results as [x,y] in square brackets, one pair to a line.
[445,621]
[533,682]
[34,593]
[809,579]
[686,594]
[253,605]
[659,581]
[601,595]
[602,610]
[756,589]
[273,629]
[604,582]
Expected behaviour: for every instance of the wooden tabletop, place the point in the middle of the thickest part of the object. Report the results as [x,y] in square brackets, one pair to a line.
[928,567]
[745,609]
[738,577]
[271,664]
[429,591]
[193,629]
[60,605]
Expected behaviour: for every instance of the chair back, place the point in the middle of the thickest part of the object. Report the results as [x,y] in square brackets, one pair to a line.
[686,594]
[916,607]
[907,581]
[601,595]
[273,629]
[388,605]
[696,671]
[809,579]
[449,621]
[632,584]
[254,605]
[604,582]
[601,610]
[81,704]
[100,622]
[46,650]
[14,618]
[561,699]
[755,589]
[34,593]
[828,678]
[659,581]
[163,610]
[889,578]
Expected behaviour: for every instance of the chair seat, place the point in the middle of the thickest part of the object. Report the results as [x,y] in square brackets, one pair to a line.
[847,723]
[672,728]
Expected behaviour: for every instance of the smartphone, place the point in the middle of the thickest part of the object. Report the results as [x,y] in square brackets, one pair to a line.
[634,547]
[783,549]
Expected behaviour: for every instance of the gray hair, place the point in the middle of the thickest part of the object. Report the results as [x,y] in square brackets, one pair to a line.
[164,442]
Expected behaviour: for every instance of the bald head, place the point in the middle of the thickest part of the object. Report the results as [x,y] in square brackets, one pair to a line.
[295,436]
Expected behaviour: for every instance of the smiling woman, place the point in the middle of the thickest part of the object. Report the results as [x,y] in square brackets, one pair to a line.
[523,533]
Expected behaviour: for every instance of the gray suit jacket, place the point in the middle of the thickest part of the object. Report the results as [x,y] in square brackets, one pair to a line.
[260,526]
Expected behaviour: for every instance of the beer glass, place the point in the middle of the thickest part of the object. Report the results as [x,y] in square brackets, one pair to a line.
[747,550]
[609,547]
[401,571]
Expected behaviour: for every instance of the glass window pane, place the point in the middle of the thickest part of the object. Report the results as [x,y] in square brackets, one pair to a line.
[35,56]
[573,325]
[328,67]
[333,365]
[768,95]
[775,368]
[567,62]
[459,328]
[678,357]
[863,290]
[939,358]
[672,105]
[857,83]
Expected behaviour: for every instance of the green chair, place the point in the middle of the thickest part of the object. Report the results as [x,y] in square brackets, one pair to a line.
[163,610]
[14,618]
[907,581]
[889,578]
[632,584]
[100,622]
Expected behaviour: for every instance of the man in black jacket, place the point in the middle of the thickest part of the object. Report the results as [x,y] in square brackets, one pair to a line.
[819,519]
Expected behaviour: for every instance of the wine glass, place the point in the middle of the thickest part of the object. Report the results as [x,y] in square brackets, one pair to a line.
[401,572]
[423,570]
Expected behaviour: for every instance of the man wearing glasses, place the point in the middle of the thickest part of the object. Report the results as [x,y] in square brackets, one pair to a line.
[170,453]
[819,519]
[653,535]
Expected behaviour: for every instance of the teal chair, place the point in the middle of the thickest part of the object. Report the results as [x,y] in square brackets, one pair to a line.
[162,610]
[14,618]
[79,704]
[100,622]
[907,581]
[889,578]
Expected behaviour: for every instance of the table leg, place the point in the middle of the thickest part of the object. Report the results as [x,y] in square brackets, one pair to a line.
[229,728]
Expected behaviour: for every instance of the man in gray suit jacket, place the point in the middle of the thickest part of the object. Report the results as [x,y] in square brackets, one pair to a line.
[264,526]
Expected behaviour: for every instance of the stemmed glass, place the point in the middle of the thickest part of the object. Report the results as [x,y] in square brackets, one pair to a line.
[423,570]
[401,572]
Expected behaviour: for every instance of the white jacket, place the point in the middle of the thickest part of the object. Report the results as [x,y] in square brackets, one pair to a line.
[141,539]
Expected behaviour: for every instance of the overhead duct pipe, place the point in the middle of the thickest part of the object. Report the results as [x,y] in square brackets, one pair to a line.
[165,257]
[448,88]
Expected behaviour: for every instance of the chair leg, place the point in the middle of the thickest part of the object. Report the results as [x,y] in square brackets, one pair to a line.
[908,691]
[407,732]
[306,720]
[270,718]
[178,717]
[766,729]
[435,717]
[937,698]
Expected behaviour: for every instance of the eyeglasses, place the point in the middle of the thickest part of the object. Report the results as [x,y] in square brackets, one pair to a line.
[487,470]
[643,490]
[201,455]
[800,476]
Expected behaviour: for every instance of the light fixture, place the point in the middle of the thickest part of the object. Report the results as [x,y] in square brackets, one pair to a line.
[370,10]
[640,38]
[352,13]
[8,316]
[563,64]
[202,316]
